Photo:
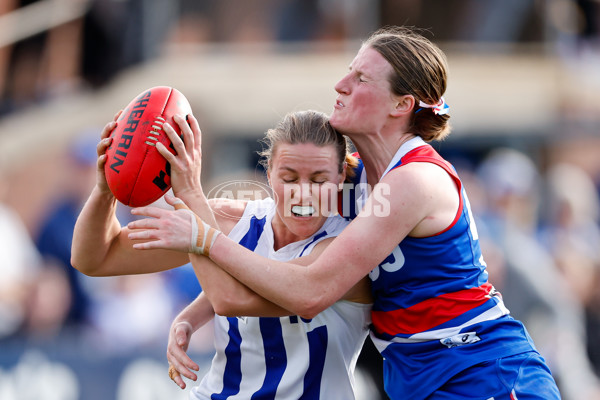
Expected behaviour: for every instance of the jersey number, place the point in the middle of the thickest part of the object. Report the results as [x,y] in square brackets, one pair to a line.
[392,263]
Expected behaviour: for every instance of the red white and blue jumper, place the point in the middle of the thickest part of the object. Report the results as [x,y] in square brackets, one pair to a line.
[435,314]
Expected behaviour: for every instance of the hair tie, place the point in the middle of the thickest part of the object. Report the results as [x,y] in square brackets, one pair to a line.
[440,108]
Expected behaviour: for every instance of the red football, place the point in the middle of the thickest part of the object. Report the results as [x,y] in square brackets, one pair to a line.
[136,172]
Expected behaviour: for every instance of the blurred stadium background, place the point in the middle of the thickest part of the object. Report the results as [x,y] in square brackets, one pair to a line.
[523,90]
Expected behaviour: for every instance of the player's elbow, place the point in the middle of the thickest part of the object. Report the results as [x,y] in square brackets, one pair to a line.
[225,309]
[229,305]
[83,267]
[307,314]
[86,265]
[81,261]
[79,264]
[311,307]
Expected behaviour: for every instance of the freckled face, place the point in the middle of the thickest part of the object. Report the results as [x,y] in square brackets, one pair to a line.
[365,99]
[304,179]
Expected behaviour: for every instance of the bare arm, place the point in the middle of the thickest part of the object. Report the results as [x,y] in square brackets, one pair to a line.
[228,296]
[189,320]
[235,299]
[100,246]
[303,290]
[415,199]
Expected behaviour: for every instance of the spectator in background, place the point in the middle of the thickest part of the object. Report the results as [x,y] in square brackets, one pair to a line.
[526,273]
[89,50]
[570,232]
[56,231]
[42,65]
[122,312]
[32,295]
[298,20]
[20,265]
[6,7]
[120,34]
[572,235]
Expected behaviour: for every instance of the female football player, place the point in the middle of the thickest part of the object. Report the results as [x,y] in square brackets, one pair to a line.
[441,327]
[259,353]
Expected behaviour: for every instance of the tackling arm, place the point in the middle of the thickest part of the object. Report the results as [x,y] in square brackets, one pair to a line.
[365,243]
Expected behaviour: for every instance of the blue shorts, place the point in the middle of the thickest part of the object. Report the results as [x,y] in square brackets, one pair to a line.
[523,376]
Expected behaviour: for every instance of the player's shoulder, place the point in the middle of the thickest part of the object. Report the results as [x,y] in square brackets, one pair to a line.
[232,207]
[420,173]
[227,212]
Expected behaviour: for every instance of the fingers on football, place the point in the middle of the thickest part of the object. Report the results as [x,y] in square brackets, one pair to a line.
[107,130]
[175,139]
[193,123]
[101,162]
[103,145]
[101,151]
[162,149]
[188,136]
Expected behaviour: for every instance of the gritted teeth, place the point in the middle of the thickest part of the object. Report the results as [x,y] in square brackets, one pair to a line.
[303,211]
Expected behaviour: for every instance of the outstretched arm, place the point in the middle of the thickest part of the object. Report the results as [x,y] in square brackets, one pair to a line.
[400,204]
[231,298]
[418,199]
[227,295]
[161,231]
[304,290]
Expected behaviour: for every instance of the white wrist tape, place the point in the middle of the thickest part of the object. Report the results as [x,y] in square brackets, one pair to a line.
[203,235]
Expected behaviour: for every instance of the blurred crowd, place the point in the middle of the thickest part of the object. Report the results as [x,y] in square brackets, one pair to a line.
[540,237]
[538,214]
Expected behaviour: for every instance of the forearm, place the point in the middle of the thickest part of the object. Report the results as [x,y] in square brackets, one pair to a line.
[227,295]
[291,286]
[359,248]
[197,313]
[230,297]
[96,229]
[198,203]
[101,247]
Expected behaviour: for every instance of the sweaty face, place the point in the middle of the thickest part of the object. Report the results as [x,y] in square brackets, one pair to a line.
[304,179]
[364,100]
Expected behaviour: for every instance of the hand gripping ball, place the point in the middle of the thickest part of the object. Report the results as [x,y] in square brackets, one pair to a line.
[137,174]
